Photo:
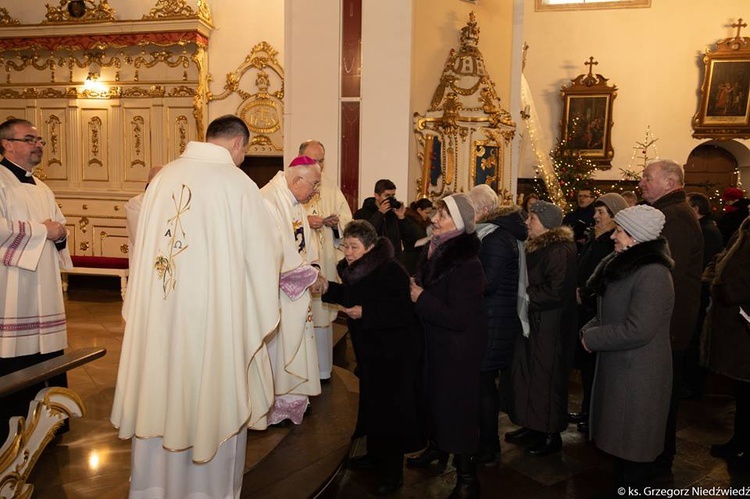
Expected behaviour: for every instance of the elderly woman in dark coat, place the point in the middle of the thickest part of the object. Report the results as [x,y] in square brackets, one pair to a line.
[542,360]
[598,245]
[633,380]
[502,232]
[374,292]
[727,338]
[448,294]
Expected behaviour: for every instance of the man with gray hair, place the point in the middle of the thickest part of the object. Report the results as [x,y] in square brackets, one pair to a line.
[292,347]
[663,188]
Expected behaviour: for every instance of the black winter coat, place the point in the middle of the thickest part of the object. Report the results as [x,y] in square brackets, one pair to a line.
[451,309]
[399,232]
[593,252]
[499,257]
[388,347]
[542,362]
[683,233]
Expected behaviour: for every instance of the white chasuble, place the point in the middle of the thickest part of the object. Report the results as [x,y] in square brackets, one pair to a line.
[329,201]
[295,361]
[203,295]
[32,312]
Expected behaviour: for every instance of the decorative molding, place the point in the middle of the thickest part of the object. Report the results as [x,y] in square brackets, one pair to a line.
[5,18]
[263,109]
[95,140]
[175,9]
[47,413]
[95,11]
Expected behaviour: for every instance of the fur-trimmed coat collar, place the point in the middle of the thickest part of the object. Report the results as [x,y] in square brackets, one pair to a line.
[616,266]
[446,257]
[352,273]
[556,235]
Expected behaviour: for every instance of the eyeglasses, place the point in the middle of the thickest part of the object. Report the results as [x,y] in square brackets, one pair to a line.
[315,185]
[30,140]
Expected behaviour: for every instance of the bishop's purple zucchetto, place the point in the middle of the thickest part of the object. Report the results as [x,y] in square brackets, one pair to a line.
[302,161]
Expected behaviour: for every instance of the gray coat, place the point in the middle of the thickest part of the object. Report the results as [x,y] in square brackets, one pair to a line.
[633,379]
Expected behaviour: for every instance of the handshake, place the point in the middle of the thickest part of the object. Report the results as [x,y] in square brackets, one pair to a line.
[320,286]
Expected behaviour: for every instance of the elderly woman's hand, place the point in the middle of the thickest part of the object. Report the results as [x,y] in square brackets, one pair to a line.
[415,290]
[354,312]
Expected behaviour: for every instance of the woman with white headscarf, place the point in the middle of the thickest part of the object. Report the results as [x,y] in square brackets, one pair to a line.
[447,293]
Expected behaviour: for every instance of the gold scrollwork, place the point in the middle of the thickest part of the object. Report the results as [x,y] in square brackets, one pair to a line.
[5,18]
[182,132]
[83,224]
[96,11]
[124,249]
[85,245]
[53,132]
[174,9]
[95,137]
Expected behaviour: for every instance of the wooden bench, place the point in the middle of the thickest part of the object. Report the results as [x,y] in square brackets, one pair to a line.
[98,266]
[47,412]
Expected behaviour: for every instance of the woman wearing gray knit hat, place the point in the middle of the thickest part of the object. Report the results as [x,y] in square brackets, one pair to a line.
[633,382]
[448,298]
[598,245]
[542,359]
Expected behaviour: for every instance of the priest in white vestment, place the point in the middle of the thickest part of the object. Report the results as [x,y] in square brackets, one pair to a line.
[33,249]
[327,213]
[194,372]
[292,349]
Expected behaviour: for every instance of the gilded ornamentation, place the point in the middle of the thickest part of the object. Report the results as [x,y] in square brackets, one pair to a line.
[5,19]
[137,125]
[95,137]
[182,132]
[176,240]
[176,9]
[31,436]
[263,109]
[96,11]
[463,107]
[54,151]
[182,91]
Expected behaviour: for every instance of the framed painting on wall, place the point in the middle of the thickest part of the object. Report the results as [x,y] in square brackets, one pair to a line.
[724,108]
[586,123]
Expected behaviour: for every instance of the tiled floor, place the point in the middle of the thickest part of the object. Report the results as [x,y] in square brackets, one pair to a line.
[289,462]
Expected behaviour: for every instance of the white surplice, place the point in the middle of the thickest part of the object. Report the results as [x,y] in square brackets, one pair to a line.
[32,312]
[292,348]
[203,295]
[329,201]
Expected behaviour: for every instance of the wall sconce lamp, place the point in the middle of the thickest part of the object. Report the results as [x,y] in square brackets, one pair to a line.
[92,83]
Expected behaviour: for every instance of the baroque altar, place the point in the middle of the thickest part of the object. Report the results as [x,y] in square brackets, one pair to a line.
[464,138]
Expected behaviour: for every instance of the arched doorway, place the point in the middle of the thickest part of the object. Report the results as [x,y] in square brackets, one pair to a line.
[710,169]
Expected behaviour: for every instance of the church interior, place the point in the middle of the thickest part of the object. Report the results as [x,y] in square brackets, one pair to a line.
[436,95]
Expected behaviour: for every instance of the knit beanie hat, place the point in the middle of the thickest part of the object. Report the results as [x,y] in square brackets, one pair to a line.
[613,201]
[462,211]
[549,214]
[643,223]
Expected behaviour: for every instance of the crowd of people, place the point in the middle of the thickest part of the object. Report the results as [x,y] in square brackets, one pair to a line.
[458,309]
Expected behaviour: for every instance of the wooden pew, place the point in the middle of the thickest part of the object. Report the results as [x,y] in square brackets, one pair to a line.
[47,412]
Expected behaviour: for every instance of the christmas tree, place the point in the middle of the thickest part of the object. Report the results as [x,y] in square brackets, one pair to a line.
[573,172]
[643,153]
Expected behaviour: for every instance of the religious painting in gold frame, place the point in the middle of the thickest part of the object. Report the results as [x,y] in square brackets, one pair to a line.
[586,124]
[724,106]
[486,161]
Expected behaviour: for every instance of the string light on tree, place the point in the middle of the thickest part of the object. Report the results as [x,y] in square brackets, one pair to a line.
[643,152]
[573,172]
